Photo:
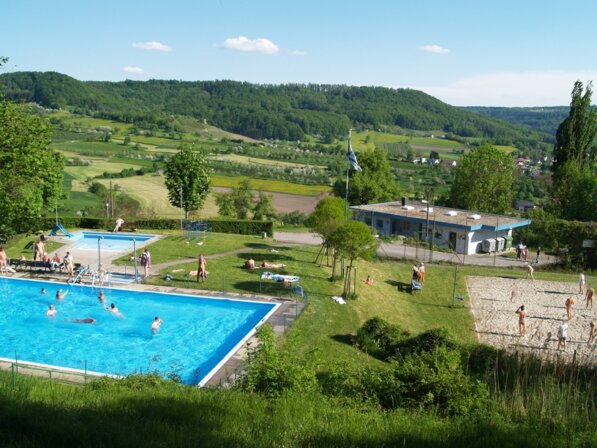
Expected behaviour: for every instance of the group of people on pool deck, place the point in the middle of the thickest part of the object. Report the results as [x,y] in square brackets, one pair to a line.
[60,295]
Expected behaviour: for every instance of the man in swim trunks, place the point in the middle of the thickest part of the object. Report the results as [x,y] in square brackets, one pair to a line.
[562,336]
[589,297]
[569,304]
[522,315]
[156,324]
[51,311]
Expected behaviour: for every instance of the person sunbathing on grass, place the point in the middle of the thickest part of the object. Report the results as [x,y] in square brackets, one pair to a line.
[265,264]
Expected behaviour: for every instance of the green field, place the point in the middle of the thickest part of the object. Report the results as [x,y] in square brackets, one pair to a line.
[272,186]
[264,162]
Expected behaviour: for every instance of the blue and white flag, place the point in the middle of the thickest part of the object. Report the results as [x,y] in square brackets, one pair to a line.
[352,158]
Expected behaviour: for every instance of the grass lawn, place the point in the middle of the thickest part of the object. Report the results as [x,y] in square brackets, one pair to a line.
[176,247]
[24,246]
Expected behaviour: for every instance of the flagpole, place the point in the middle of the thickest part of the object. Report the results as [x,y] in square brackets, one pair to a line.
[347,177]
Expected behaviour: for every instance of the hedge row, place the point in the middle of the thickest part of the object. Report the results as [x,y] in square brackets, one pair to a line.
[242,226]
[553,233]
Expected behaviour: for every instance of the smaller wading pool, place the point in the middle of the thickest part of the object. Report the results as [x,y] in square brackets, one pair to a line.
[196,338]
[109,241]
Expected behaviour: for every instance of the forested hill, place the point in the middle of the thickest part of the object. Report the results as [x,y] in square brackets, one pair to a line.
[541,119]
[286,112]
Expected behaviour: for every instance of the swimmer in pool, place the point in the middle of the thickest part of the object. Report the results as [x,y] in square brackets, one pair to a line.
[51,311]
[61,294]
[102,297]
[113,310]
[43,291]
[87,320]
[155,325]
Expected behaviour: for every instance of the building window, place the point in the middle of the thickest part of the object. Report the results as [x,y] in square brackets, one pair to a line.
[379,223]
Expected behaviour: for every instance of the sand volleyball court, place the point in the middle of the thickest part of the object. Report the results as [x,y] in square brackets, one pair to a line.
[496,322]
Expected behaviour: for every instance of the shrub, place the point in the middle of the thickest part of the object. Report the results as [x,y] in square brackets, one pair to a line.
[379,338]
[270,372]
[424,342]
[294,218]
[434,380]
[352,382]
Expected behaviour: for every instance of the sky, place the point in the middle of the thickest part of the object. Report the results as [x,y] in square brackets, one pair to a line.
[509,53]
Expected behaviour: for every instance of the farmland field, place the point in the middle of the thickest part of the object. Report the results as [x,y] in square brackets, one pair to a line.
[257,161]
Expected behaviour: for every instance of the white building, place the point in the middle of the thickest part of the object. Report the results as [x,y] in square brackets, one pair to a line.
[465,231]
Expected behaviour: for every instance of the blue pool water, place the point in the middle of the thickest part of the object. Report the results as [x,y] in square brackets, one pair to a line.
[197,333]
[109,241]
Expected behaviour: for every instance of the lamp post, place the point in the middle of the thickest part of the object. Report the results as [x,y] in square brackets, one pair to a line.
[99,251]
[107,210]
[466,240]
[181,210]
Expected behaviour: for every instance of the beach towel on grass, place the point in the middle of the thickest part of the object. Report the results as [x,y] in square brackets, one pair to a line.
[339,300]
[280,277]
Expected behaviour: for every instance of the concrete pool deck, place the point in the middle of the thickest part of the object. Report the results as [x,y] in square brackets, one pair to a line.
[89,257]
[280,320]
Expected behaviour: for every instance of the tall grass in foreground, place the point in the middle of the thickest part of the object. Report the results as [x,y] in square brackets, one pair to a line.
[149,412]
[525,386]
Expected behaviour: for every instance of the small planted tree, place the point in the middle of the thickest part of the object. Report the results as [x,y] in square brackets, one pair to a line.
[353,240]
[187,180]
[328,215]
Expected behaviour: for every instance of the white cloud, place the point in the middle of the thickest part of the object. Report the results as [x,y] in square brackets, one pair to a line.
[298,53]
[243,43]
[434,49]
[511,89]
[153,45]
[132,69]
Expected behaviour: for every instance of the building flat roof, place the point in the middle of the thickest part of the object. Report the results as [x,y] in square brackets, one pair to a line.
[452,217]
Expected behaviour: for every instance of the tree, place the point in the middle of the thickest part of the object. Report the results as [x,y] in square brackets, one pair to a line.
[238,203]
[483,181]
[225,204]
[30,172]
[353,240]
[375,183]
[575,137]
[263,208]
[242,199]
[187,176]
[574,191]
[329,213]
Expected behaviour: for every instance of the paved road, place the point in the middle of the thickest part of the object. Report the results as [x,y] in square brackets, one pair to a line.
[401,251]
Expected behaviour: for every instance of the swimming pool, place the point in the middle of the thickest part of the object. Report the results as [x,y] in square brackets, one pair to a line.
[109,241]
[198,334]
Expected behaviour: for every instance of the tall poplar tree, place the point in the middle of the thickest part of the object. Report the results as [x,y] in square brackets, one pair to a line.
[574,191]
[575,137]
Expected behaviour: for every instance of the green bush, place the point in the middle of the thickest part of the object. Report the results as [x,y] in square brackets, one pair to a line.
[352,383]
[270,372]
[424,342]
[433,380]
[380,338]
